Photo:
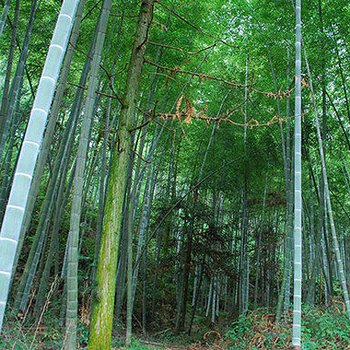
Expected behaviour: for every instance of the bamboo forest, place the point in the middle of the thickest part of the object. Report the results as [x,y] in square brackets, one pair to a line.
[174,174]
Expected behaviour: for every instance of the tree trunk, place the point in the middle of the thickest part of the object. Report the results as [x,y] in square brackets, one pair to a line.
[102,312]
[3,18]
[78,182]
[339,261]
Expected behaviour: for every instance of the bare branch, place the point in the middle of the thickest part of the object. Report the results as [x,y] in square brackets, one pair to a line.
[181,50]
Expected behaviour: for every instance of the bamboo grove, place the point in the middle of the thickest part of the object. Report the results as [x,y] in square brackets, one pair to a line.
[165,159]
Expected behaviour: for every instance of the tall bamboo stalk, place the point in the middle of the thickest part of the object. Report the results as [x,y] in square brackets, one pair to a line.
[15,209]
[3,111]
[3,17]
[296,340]
[17,81]
[339,261]
[78,182]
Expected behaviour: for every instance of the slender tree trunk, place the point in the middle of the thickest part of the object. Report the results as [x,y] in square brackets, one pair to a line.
[62,199]
[341,123]
[144,225]
[313,262]
[3,18]
[73,253]
[244,274]
[290,189]
[195,304]
[259,242]
[17,82]
[339,261]
[5,91]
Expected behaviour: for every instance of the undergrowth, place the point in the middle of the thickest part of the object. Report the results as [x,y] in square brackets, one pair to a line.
[323,328]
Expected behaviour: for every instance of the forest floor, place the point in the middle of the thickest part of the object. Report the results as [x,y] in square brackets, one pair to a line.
[144,345]
[323,328]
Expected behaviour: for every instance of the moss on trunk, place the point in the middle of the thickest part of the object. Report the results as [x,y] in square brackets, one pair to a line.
[103,306]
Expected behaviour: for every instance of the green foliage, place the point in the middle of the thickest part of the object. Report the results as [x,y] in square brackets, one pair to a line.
[17,337]
[263,31]
[83,334]
[326,329]
[239,331]
[322,329]
[137,345]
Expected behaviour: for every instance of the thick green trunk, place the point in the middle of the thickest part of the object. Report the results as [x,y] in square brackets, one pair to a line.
[102,312]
